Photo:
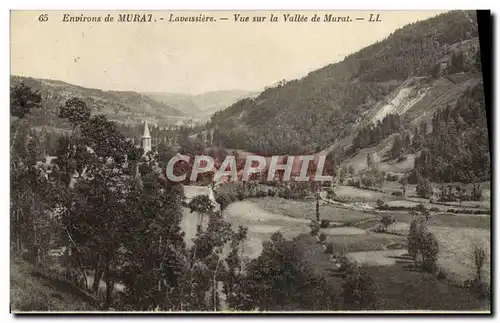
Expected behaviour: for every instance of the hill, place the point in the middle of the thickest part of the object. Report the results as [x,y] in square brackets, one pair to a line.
[376,101]
[201,105]
[35,289]
[332,103]
[124,107]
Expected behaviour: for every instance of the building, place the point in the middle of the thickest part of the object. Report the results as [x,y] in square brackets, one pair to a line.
[146,138]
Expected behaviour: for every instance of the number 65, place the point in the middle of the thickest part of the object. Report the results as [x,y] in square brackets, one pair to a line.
[43,17]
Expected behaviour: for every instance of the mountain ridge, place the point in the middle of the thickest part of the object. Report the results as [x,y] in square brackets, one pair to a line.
[312,113]
[125,107]
[202,104]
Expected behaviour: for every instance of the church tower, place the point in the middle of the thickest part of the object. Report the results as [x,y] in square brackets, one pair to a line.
[146,138]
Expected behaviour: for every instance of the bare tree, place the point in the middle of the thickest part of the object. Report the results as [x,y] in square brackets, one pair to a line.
[479,254]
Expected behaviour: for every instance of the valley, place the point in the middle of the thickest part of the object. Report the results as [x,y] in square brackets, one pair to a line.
[401,223]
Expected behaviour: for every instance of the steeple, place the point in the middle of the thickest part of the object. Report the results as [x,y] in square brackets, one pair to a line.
[146,130]
[146,138]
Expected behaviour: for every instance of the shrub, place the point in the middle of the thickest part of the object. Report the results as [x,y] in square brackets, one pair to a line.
[346,266]
[271,192]
[314,225]
[397,193]
[386,221]
[424,188]
[367,181]
[392,177]
[479,255]
[359,290]
[329,248]
[401,158]
[322,237]
[481,289]
[330,193]
[434,209]
[325,223]
[354,183]
[441,275]
[381,205]
[429,249]
[350,223]
[412,239]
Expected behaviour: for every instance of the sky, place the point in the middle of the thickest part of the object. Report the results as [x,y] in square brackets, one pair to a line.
[189,57]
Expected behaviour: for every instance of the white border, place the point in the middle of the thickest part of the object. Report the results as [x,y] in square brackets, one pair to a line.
[199,5]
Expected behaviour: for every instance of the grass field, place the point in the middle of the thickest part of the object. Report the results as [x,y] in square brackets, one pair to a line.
[382,252]
[307,209]
[31,289]
[400,287]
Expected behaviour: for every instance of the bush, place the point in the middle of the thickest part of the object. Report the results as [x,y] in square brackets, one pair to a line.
[359,290]
[381,205]
[434,209]
[260,194]
[397,193]
[367,181]
[350,223]
[346,266]
[322,237]
[314,225]
[325,223]
[401,158]
[387,220]
[429,249]
[392,177]
[329,248]
[441,275]
[354,183]
[330,193]
[424,188]
[481,289]
[271,192]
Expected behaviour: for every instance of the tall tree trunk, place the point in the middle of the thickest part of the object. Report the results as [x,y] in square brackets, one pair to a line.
[18,232]
[97,276]
[68,174]
[109,283]
[214,283]
[317,207]
[15,135]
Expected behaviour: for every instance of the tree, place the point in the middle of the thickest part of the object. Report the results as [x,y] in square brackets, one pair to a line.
[369,160]
[397,147]
[315,226]
[423,242]
[77,113]
[154,255]
[351,170]
[413,239]
[317,207]
[22,101]
[479,255]
[280,280]
[429,249]
[381,204]
[404,183]
[424,188]
[234,280]
[359,290]
[202,205]
[387,220]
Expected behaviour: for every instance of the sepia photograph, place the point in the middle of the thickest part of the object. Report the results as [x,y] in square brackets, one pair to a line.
[305,161]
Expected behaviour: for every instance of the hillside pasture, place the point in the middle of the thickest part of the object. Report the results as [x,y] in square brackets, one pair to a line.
[306,209]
